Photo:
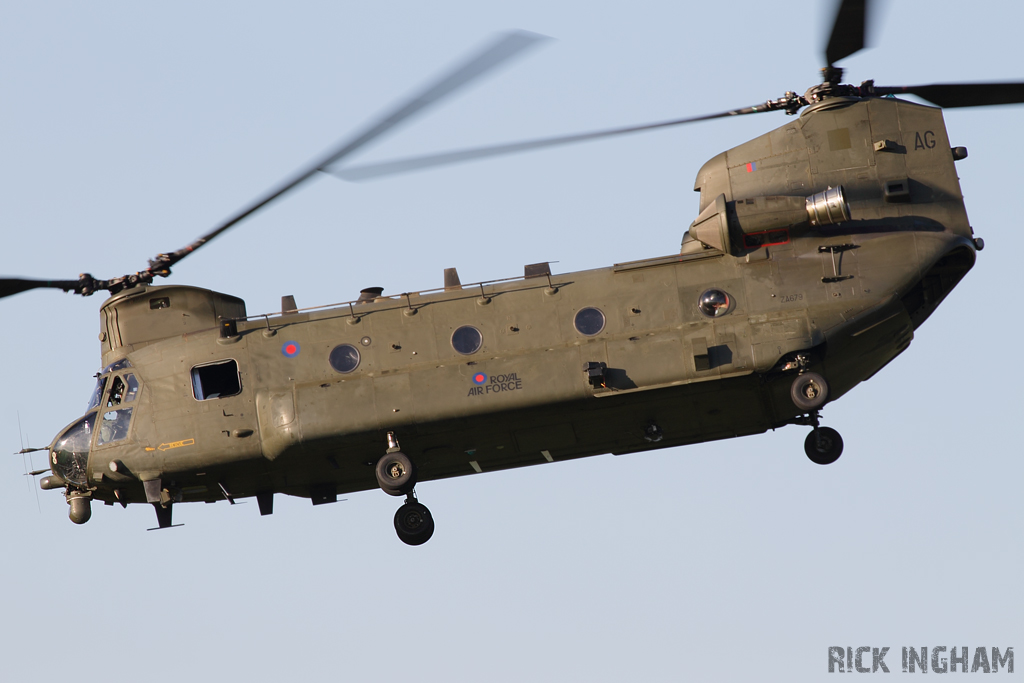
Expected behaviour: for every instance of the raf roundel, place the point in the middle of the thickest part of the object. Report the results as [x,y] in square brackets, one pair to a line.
[480,378]
[290,349]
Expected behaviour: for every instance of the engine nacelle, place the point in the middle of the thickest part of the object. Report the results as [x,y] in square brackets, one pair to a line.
[747,224]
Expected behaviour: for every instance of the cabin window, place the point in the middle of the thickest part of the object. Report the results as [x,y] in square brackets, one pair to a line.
[714,303]
[589,321]
[114,426]
[344,358]
[467,340]
[216,380]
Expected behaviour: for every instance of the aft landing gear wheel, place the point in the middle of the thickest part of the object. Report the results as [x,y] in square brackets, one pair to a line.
[809,391]
[396,474]
[414,523]
[823,446]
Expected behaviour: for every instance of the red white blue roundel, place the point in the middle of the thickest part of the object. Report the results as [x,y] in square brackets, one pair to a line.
[480,378]
[290,349]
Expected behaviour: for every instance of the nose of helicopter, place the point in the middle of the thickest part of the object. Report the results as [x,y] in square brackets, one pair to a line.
[68,460]
[52,481]
[69,452]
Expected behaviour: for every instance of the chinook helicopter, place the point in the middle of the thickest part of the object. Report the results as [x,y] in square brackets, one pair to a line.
[817,250]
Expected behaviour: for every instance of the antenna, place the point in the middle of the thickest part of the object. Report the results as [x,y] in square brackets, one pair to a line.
[25,462]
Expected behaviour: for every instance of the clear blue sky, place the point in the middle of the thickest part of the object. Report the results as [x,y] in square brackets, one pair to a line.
[128,129]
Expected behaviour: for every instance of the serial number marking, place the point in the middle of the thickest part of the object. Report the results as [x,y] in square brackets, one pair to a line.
[789,298]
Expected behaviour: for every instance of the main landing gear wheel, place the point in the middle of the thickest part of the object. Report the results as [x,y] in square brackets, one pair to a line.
[809,391]
[414,523]
[823,445]
[396,475]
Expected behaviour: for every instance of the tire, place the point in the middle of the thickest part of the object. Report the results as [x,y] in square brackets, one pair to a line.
[396,475]
[414,524]
[809,391]
[824,449]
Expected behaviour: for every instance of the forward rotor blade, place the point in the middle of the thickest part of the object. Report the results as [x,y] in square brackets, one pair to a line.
[502,49]
[11,286]
[848,31]
[370,171]
[950,95]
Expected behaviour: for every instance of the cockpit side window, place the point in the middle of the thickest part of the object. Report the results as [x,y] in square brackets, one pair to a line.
[133,387]
[216,380]
[116,394]
[114,426]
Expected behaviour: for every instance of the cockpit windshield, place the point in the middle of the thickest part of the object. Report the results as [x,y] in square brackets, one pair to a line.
[97,394]
[70,454]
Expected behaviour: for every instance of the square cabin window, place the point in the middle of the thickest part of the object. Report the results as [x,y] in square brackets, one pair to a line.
[216,380]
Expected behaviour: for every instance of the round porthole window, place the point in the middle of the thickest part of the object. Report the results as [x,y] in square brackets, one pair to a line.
[714,303]
[589,321]
[345,358]
[467,339]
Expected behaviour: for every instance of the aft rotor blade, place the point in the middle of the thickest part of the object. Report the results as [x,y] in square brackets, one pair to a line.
[502,49]
[848,31]
[370,171]
[11,286]
[950,95]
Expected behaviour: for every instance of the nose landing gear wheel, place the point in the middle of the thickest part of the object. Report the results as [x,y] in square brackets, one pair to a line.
[414,523]
[823,446]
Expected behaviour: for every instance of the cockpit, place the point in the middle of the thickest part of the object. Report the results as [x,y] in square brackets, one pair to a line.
[107,420]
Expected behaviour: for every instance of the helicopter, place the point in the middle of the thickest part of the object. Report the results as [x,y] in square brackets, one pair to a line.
[816,251]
